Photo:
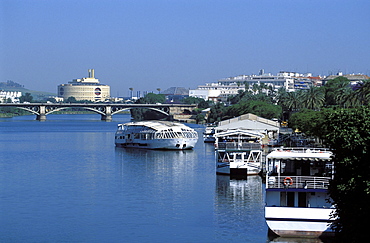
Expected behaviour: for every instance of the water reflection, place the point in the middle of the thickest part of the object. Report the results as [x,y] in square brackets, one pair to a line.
[158,162]
[239,208]
[296,240]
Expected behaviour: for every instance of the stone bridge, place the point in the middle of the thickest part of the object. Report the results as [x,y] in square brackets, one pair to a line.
[106,110]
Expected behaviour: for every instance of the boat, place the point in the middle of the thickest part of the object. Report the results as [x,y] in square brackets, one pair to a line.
[297,181]
[155,135]
[238,152]
[208,135]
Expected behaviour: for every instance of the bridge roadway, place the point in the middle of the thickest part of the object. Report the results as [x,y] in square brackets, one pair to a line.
[106,110]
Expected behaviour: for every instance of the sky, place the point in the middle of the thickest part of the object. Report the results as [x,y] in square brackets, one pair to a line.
[151,44]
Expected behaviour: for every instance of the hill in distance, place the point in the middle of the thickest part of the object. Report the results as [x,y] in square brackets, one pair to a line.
[13,86]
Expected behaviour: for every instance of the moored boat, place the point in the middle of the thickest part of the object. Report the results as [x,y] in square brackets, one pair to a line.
[297,182]
[238,152]
[156,135]
[208,135]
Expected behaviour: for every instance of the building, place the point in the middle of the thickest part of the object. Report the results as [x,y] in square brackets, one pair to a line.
[353,78]
[12,96]
[223,88]
[88,89]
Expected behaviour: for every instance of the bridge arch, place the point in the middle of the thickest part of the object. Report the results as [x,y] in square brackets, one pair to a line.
[33,110]
[52,110]
[150,108]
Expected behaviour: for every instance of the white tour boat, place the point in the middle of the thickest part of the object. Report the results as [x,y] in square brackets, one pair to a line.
[155,135]
[238,152]
[297,182]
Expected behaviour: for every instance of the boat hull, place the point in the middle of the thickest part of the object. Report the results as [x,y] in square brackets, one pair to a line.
[165,144]
[243,169]
[299,222]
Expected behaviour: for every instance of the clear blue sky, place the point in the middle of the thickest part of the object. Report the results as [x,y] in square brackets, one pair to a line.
[150,44]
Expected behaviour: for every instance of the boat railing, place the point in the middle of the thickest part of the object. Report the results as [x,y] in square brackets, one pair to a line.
[303,150]
[239,146]
[304,182]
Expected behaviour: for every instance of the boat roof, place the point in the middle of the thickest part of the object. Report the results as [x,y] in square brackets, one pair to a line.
[157,125]
[300,154]
[231,132]
[249,121]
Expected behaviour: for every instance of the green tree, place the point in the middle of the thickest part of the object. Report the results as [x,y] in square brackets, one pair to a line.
[27,97]
[308,121]
[199,118]
[199,101]
[344,96]
[347,132]
[313,98]
[257,107]
[331,89]
[71,99]
[363,92]
[217,112]
[148,114]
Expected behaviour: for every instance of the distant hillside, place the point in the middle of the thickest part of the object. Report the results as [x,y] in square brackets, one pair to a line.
[13,86]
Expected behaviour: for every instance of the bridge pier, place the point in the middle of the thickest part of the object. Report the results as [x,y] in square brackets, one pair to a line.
[108,114]
[42,113]
[106,117]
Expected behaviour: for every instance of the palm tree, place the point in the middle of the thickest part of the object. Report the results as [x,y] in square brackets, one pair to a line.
[293,100]
[159,90]
[313,98]
[363,93]
[346,97]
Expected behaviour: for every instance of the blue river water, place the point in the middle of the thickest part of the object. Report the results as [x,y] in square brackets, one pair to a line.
[63,180]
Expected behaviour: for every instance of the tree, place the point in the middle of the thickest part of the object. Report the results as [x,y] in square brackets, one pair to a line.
[313,98]
[308,121]
[199,118]
[71,99]
[347,132]
[257,107]
[27,97]
[344,96]
[199,101]
[363,92]
[217,112]
[331,88]
[148,114]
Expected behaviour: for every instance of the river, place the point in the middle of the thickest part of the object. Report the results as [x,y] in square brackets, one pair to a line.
[63,180]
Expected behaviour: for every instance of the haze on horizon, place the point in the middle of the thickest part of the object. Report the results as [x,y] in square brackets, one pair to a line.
[150,44]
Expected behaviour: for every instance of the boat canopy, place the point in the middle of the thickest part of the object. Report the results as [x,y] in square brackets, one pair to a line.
[159,125]
[300,155]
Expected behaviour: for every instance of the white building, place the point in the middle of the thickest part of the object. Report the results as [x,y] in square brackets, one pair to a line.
[85,89]
[223,88]
[12,95]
